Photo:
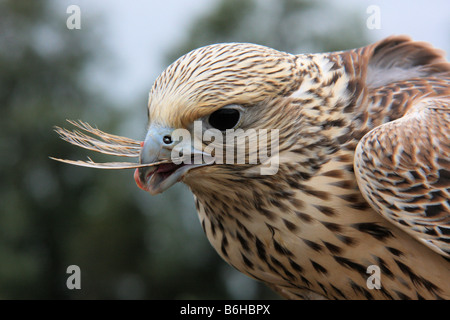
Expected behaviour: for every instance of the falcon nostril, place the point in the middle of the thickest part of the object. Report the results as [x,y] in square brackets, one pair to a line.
[167,139]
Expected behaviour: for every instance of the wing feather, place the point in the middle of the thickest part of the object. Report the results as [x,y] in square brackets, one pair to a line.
[403,171]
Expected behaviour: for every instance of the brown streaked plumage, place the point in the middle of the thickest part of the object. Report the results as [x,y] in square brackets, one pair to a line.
[364,165]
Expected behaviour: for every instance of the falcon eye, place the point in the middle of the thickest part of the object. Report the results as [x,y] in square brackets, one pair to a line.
[225,118]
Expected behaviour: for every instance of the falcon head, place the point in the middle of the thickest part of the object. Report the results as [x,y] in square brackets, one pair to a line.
[218,88]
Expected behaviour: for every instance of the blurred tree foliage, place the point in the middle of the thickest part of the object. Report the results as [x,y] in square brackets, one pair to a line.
[127,244]
[53,215]
[295,26]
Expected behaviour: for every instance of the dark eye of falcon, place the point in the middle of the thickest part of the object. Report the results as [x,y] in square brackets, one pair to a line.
[225,118]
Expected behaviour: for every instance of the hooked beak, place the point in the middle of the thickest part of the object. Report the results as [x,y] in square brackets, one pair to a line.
[158,146]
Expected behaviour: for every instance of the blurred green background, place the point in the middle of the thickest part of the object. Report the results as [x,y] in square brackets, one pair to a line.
[128,244]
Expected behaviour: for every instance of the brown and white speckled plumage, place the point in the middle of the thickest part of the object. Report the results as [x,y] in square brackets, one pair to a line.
[364,174]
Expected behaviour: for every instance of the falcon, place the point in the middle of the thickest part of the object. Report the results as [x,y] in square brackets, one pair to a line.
[358,207]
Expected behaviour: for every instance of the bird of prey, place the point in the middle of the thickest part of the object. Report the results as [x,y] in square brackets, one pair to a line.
[362,187]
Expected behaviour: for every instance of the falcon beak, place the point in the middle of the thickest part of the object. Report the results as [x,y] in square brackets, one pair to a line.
[159,146]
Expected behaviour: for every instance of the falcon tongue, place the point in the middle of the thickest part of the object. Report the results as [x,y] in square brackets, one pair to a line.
[167,167]
[159,179]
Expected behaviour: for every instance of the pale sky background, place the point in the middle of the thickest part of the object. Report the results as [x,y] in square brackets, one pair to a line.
[139,33]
